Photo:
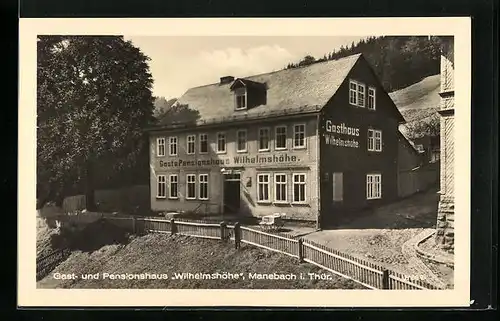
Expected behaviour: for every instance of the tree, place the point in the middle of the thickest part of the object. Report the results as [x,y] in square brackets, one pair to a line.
[307,60]
[162,105]
[93,99]
[425,126]
[397,61]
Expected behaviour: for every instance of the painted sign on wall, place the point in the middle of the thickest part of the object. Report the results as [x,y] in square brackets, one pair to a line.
[336,135]
[236,160]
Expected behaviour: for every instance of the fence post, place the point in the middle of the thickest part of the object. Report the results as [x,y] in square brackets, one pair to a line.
[385,279]
[173,227]
[237,235]
[301,251]
[134,226]
[223,226]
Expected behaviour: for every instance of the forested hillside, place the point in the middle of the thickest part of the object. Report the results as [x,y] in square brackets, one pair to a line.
[397,61]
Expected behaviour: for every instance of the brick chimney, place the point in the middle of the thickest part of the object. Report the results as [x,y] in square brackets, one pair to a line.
[226,80]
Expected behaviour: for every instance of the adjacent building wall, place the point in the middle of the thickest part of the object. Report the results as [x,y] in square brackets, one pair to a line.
[446,211]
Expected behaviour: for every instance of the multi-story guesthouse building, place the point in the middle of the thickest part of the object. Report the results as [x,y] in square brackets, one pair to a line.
[314,142]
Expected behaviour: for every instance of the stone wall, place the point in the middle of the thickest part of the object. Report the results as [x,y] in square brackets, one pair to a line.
[445,235]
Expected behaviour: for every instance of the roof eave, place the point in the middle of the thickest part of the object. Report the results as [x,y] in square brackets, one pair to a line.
[232,122]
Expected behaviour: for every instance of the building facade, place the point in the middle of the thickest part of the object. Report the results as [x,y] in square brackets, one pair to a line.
[315,142]
[446,211]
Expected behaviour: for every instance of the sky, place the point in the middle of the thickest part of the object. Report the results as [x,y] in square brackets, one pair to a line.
[179,63]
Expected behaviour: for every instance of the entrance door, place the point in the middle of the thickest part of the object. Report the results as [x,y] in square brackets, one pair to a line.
[231,193]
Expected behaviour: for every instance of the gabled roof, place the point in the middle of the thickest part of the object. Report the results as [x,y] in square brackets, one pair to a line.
[290,91]
[247,83]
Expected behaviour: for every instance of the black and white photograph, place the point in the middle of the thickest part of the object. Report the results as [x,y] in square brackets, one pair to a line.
[247,162]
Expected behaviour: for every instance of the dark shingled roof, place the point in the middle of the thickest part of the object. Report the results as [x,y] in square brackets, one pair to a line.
[289,91]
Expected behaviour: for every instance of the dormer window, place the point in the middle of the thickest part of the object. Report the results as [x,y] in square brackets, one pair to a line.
[240,95]
[248,93]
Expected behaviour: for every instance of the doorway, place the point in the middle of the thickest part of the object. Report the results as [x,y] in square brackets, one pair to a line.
[232,193]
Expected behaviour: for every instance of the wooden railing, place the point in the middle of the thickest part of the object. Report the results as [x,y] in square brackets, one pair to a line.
[365,273]
[270,241]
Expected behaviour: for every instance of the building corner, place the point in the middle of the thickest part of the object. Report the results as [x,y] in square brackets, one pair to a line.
[445,234]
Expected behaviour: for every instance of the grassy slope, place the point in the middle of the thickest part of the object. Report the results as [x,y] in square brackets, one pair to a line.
[421,95]
[418,101]
[156,253]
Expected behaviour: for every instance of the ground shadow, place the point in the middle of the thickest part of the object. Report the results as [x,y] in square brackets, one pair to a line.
[94,236]
[416,211]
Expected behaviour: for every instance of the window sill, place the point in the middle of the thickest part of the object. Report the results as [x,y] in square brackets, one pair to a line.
[264,202]
[281,203]
[280,148]
[264,150]
[161,197]
[374,198]
[299,147]
[173,155]
[242,151]
[300,203]
[221,153]
[203,153]
[174,198]
[191,199]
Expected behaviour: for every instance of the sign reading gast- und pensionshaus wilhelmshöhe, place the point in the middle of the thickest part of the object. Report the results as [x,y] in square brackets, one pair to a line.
[235,160]
[332,130]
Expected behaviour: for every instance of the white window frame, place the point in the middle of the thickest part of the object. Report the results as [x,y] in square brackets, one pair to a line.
[267,184]
[299,183]
[358,93]
[276,137]
[304,145]
[200,140]
[372,141]
[371,95]
[268,139]
[160,142]
[171,143]
[187,186]
[170,189]
[161,179]
[239,92]
[371,187]
[238,141]
[190,140]
[285,183]
[200,184]
[217,143]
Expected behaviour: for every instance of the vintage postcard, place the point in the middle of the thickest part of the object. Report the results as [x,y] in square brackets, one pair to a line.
[244,162]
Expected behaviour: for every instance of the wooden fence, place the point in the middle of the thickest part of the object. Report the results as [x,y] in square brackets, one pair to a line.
[273,242]
[368,274]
